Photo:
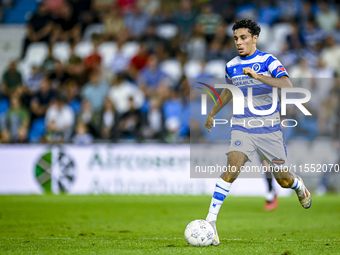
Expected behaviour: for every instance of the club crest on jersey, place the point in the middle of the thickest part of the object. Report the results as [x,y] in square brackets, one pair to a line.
[238,143]
[256,67]
[278,161]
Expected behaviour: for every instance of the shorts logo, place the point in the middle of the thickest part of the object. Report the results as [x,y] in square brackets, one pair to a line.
[256,67]
[278,161]
[238,143]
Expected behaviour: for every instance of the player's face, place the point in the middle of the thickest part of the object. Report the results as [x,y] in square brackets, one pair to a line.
[245,42]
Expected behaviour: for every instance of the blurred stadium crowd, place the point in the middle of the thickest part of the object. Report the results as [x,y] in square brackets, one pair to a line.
[102,69]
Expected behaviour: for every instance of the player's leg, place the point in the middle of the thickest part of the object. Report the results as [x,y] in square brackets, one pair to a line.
[273,148]
[241,149]
[271,197]
[236,160]
[293,181]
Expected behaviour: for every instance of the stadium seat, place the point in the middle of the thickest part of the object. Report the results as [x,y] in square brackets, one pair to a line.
[192,69]
[131,48]
[37,130]
[265,36]
[93,29]
[279,33]
[25,69]
[61,51]
[83,49]
[107,50]
[166,31]
[216,68]
[36,53]
[172,68]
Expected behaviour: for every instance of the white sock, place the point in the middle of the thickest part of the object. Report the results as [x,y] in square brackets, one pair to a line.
[221,191]
[270,195]
[297,185]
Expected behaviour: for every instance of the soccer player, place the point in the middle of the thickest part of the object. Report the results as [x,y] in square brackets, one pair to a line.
[260,71]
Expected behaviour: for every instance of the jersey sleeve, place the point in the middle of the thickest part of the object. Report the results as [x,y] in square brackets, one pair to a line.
[227,77]
[275,67]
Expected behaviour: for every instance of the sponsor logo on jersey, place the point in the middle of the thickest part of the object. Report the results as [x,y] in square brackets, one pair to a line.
[280,69]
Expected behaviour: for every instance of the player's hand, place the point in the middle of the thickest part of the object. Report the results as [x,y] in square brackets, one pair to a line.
[250,72]
[209,122]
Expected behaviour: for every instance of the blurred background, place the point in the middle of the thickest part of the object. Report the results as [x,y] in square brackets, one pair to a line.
[106,72]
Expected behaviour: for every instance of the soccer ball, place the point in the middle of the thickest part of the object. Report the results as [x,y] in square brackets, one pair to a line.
[199,233]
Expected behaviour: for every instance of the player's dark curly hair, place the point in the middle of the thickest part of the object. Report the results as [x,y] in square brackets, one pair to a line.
[252,26]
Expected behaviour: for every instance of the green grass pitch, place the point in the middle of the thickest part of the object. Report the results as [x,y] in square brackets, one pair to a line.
[155,225]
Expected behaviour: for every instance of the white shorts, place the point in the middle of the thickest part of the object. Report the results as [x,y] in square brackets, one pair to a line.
[270,146]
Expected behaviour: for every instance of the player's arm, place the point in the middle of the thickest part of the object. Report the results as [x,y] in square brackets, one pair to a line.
[282,82]
[225,96]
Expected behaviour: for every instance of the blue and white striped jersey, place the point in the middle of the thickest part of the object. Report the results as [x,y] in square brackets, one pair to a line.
[265,64]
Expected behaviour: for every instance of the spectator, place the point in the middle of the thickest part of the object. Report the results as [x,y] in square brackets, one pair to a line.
[215,50]
[95,91]
[5,136]
[71,92]
[82,137]
[197,46]
[49,63]
[209,21]
[324,80]
[130,123]
[94,60]
[294,39]
[326,18]
[42,99]
[301,74]
[312,34]
[268,13]
[113,21]
[120,92]
[336,33]
[39,28]
[90,118]
[202,71]
[136,22]
[139,60]
[221,34]
[151,77]
[76,67]
[327,116]
[155,120]
[11,80]
[185,19]
[60,119]
[150,6]
[86,14]
[33,81]
[125,6]
[331,55]
[68,27]
[109,121]
[59,75]
[150,38]
[120,61]
[18,121]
